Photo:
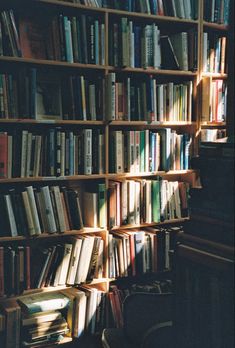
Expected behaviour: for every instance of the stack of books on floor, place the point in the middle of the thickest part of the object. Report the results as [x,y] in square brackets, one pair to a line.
[44,318]
[212,206]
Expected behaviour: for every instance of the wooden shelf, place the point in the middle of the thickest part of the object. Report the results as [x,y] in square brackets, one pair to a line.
[53,63]
[54,122]
[152,71]
[213,125]
[153,124]
[85,230]
[215,75]
[166,222]
[215,26]
[120,12]
[94,176]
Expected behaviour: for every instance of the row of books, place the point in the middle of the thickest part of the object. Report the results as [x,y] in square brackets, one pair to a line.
[217,11]
[78,260]
[138,252]
[140,100]
[208,134]
[176,8]
[149,151]
[145,201]
[146,100]
[45,96]
[136,46]
[48,210]
[35,94]
[118,293]
[214,53]
[214,100]
[64,38]
[54,153]
[44,319]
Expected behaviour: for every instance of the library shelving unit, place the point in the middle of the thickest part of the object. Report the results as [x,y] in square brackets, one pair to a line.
[85,94]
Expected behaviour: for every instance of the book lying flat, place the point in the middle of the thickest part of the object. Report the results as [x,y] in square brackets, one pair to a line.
[43,302]
[38,318]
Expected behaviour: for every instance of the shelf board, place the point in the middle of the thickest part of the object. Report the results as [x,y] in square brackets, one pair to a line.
[93,176]
[56,122]
[215,75]
[213,125]
[153,71]
[65,234]
[53,178]
[153,123]
[215,26]
[120,12]
[149,174]
[54,63]
[166,222]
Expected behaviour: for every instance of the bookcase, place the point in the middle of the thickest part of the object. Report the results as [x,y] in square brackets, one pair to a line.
[101,109]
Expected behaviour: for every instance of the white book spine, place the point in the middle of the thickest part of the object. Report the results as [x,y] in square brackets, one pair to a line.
[65,264]
[59,207]
[29,217]
[74,262]
[46,201]
[34,211]
[28,156]
[11,216]
[88,151]
[24,142]
[119,152]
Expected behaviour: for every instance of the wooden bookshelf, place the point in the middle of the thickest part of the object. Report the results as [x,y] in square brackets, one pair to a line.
[103,127]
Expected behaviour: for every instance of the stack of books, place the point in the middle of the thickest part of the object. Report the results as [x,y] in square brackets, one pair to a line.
[43,319]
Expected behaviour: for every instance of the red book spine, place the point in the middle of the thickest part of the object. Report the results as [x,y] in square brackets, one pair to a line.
[3,155]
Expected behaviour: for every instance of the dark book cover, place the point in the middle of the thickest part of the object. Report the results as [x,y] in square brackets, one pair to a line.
[75,209]
[169,59]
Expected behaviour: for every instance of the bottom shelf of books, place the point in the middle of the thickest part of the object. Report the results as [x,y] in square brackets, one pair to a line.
[52,313]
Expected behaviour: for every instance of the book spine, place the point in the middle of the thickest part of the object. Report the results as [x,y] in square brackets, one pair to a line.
[46,200]
[87,151]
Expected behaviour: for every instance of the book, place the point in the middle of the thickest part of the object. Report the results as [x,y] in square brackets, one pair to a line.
[43,302]
[12,312]
[90,209]
[32,40]
[169,58]
[48,97]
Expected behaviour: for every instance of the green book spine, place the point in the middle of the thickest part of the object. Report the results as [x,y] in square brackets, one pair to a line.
[142,151]
[156,200]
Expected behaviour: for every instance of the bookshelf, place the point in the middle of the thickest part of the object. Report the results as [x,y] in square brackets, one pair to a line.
[108,87]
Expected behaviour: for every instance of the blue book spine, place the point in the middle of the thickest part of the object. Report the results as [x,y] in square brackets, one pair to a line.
[182,152]
[187,143]
[226,12]
[68,40]
[217,55]
[153,6]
